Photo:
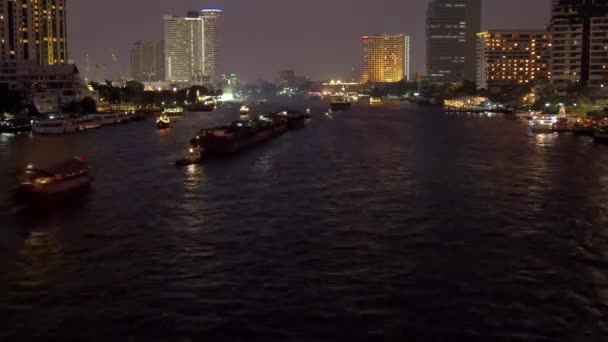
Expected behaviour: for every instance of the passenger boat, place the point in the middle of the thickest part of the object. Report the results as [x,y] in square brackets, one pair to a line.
[375,100]
[340,104]
[113,118]
[66,177]
[543,124]
[175,112]
[65,124]
[207,105]
[163,121]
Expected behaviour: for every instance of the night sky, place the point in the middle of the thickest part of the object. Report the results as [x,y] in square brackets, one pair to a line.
[317,38]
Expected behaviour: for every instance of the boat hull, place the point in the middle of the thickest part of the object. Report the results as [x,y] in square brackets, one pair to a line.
[600,137]
[340,106]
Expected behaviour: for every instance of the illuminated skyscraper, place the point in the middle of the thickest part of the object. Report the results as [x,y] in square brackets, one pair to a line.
[452,28]
[580,55]
[386,58]
[211,41]
[192,46]
[512,58]
[33,30]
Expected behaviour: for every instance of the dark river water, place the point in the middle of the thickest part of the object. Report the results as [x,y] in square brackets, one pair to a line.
[391,223]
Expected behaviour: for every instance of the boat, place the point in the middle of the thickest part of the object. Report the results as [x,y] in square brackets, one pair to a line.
[375,100]
[14,124]
[112,118]
[340,104]
[60,124]
[600,135]
[232,138]
[174,112]
[294,118]
[244,111]
[208,105]
[543,124]
[137,116]
[63,178]
[163,121]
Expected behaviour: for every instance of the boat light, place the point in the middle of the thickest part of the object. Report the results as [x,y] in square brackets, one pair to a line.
[191,150]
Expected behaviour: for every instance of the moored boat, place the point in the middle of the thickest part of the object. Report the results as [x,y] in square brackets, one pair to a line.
[62,124]
[63,178]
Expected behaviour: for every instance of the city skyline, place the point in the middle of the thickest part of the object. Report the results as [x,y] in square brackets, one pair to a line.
[328,47]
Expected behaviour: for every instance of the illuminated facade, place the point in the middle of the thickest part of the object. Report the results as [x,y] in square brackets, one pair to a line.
[580,53]
[211,41]
[33,30]
[510,58]
[452,28]
[386,58]
[192,46]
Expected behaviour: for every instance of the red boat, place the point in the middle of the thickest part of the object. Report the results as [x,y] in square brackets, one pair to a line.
[63,178]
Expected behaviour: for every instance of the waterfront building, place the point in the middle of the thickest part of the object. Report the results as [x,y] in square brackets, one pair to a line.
[192,46]
[45,86]
[386,58]
[148,61]
[452,28]
[33,30]
[211,41]
[511,58]
[579,57]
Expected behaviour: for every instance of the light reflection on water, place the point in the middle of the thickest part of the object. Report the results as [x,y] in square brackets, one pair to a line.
[387,219]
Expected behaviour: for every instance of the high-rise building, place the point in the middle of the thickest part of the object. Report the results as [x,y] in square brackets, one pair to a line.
[192,46]
[33,30]
[386,58]
[580,57]
[452,28]
[211,41]
[148,61]
[183,48]
[511,58]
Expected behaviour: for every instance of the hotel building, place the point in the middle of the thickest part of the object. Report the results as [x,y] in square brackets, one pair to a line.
[33,30]
[386,58]
[514,57]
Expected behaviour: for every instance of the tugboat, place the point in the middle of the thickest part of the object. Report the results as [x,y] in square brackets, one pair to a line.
[61,179]
[340,104]
[163,121]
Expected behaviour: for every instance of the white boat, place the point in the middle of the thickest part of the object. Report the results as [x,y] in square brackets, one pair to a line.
[65,124]
[112,118]
[543,124]
[174,112]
